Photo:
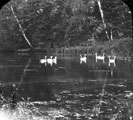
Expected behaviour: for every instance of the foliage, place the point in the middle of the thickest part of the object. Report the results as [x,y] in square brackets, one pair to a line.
[63,22]
[120,106]
[31,111]
[119,47]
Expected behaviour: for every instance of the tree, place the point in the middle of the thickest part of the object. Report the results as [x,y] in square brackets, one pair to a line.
[70,22]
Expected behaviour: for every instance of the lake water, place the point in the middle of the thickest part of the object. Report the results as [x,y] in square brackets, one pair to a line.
[69,90]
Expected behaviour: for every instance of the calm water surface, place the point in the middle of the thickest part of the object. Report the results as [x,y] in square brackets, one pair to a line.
[69,90]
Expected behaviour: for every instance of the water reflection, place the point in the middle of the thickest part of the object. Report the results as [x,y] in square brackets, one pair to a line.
[76,91]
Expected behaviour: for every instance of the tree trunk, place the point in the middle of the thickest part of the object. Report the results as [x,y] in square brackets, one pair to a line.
[21,28]
[102,16]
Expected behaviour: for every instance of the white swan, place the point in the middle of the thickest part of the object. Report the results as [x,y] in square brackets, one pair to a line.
[98,57]
[83,59]
[55,60]
[50,60]
[112,60]
[42,61]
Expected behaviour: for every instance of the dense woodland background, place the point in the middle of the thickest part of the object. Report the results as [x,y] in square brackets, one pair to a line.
[67,23]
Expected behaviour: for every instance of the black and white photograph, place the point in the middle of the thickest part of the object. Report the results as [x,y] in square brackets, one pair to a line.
[66,60]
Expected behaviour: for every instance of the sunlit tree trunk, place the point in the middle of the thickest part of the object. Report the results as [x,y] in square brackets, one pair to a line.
[21,27]
[102,16]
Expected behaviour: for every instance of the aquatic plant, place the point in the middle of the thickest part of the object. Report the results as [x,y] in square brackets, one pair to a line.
[29,111]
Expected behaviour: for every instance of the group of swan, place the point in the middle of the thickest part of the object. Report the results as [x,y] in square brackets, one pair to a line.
[49,60]
[111,59]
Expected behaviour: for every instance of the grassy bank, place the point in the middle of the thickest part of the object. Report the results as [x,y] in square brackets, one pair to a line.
[119,47]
